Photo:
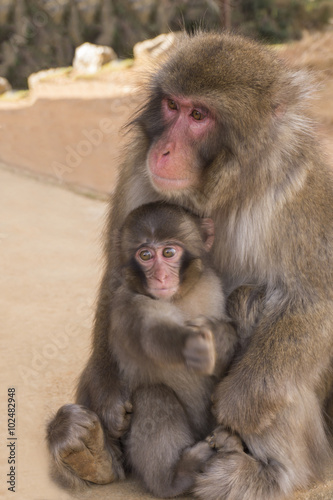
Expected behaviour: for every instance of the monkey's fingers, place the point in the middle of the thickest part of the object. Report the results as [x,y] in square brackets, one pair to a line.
[201,323]
[199,353]
[120,419]
[223,440]
[128,407]
[126,422]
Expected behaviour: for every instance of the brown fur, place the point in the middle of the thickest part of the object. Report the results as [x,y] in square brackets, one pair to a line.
[269,192]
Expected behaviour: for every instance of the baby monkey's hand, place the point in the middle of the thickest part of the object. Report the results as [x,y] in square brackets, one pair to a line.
[199,348]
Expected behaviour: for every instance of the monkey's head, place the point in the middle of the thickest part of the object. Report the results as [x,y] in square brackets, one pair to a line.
[163,249]
[219,110]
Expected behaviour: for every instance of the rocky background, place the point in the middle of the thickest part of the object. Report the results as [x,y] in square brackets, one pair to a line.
[40,34]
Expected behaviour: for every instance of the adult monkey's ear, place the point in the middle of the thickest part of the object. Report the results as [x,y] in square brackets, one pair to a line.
[208,233]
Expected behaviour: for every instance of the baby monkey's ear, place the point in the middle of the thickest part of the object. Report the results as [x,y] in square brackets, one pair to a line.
[208,233]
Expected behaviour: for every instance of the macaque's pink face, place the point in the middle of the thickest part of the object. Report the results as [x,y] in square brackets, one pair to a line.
[173,159]
[161,265]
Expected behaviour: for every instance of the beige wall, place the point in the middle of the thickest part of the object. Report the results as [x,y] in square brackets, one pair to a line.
[70,133]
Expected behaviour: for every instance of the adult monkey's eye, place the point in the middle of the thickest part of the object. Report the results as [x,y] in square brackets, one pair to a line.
[197,115]
[145,255]
[169,252]
[172,104]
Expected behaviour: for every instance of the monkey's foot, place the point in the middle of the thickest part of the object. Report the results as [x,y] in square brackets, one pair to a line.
[192,462]
[200,453]
[222,440]
[77,442]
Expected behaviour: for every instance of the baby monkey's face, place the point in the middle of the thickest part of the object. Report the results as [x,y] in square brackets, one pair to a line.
[161,265]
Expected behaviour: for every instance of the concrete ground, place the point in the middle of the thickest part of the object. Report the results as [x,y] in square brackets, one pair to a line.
[50,257]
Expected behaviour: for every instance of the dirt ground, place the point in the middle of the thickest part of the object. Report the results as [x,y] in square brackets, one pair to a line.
[50,256]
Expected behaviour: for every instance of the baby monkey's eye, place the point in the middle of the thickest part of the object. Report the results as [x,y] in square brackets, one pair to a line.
[145,255]
[169,252]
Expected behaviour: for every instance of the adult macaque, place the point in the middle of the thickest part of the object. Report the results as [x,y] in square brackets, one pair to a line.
[224,134]
[170,342]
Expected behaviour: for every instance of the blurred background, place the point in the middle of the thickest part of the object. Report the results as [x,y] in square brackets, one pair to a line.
[40,34]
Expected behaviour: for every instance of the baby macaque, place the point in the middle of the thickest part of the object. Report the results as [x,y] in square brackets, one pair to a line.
[171,341]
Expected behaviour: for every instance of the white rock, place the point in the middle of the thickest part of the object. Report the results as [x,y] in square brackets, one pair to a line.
[89,58]
[4,85]
[154,47]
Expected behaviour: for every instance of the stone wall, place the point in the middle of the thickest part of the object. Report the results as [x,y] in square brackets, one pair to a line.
[70,132]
